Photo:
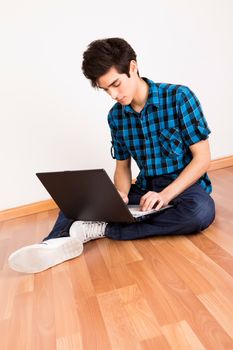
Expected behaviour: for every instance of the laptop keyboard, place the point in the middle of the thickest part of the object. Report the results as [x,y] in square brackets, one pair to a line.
[136,212]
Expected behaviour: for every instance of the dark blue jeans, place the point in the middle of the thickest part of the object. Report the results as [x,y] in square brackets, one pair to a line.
[193,211]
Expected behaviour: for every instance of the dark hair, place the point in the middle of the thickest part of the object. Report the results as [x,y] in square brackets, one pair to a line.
[103,54]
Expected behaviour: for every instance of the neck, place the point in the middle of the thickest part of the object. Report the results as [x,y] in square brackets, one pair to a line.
[141,96]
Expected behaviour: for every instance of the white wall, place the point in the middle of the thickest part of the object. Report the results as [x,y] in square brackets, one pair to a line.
[51,118]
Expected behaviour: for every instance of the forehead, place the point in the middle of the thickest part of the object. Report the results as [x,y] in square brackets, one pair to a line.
[109,77]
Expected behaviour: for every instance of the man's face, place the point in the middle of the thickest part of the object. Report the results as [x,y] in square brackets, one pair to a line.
[119,86]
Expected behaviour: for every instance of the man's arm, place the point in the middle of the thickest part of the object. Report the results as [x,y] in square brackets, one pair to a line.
[191,173]
[123,177]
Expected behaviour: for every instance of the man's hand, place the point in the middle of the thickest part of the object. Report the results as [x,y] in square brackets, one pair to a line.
[124,197]
[151,200]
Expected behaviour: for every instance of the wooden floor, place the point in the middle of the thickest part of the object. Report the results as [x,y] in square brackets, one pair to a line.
[160,293]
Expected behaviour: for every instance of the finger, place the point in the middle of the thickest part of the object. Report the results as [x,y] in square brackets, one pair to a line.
[143,199]
[159,205]
[155,203]
[148,205]
[145,196]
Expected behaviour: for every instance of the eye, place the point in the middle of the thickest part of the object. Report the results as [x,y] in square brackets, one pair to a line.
[116,85]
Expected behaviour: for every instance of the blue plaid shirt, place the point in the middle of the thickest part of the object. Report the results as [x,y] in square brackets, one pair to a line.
[158,138]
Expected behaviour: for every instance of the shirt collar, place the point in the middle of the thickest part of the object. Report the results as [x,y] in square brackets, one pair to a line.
[153,96]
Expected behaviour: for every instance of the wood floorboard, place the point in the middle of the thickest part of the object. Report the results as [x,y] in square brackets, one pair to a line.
[165,293]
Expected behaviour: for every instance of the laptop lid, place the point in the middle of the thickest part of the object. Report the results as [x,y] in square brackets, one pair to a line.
[87,195]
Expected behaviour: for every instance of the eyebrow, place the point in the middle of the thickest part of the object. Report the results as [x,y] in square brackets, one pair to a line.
[109,84]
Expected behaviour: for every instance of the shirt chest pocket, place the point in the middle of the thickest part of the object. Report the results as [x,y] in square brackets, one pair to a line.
[171,142]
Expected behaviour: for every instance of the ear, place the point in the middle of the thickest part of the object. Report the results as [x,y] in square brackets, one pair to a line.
[133,67]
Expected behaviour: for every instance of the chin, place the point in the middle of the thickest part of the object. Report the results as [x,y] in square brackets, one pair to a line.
[125,102]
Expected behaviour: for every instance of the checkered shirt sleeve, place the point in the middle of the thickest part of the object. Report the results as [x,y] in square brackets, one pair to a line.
[194,127]
[119,149]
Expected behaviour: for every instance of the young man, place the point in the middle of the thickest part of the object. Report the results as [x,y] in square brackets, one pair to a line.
[162,127]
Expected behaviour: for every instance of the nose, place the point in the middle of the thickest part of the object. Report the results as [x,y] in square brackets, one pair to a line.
[113,93]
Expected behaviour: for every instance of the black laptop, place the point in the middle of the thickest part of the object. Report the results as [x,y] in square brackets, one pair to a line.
[90,195]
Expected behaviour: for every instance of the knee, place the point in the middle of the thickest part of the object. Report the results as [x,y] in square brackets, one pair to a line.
[202,215]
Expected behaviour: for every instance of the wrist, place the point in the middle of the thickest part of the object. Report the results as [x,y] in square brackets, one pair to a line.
[167,195]
[124,196]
